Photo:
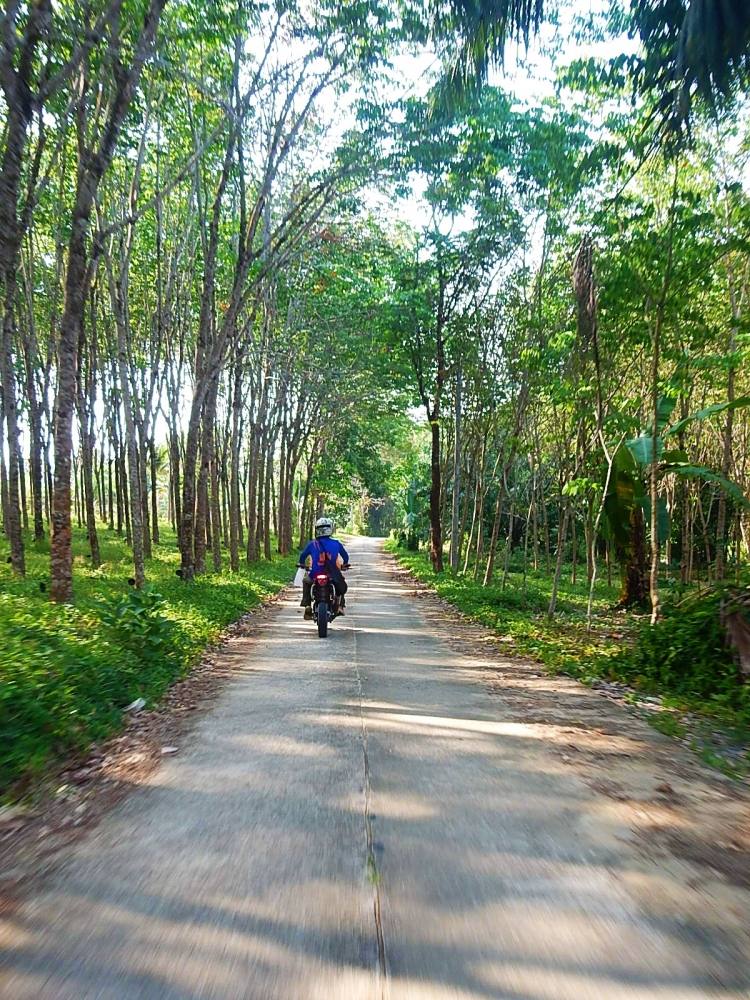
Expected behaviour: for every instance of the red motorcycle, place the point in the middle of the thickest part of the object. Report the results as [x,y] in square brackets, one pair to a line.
[326,603]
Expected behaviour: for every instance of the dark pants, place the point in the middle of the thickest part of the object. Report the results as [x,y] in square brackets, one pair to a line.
[339,584]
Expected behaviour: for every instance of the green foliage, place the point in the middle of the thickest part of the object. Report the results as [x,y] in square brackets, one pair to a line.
[686,654]
[66,676]
[136,624]
[708,411]
[627,486]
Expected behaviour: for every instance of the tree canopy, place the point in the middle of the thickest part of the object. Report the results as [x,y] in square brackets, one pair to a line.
[221,310]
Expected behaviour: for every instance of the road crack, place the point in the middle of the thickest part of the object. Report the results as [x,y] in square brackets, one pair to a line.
[373,873]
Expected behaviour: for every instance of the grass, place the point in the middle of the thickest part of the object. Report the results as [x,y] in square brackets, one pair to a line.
[666,723]
[67,672]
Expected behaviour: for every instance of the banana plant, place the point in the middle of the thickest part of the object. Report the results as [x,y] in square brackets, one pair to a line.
[414,522]
[627,506]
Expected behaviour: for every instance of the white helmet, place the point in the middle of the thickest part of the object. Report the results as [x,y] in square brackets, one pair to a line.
[323,527]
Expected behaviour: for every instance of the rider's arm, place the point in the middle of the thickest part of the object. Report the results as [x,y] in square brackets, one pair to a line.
[306,554]
[344,553]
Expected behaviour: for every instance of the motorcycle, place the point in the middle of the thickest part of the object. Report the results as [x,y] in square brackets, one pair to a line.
[326,603]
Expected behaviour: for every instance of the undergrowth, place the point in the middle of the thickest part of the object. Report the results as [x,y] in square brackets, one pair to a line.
[66,673]
[686,656]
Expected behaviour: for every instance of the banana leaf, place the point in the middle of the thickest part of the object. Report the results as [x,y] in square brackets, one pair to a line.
[708,411]
[700,472]
[642,448]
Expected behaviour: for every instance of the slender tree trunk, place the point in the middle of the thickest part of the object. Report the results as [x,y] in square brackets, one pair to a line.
[234,471]
[215,511]
[267,491]
[490,568]
[508,545]
[562,533]
[61,548]
[143,474]
[154,493]
[655,360]
[3,475]
[436,531]
[253,498]
[455,550]
[36,453]
[134,468]
[22,488]
[573,548]
[13,525]
[110,497]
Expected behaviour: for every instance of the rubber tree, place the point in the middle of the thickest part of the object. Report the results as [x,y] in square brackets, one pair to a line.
[97,131]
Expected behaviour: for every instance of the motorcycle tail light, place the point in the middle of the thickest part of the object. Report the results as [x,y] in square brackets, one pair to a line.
[321,578]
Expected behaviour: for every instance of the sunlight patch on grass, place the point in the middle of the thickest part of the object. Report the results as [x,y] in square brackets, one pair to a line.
[67,672]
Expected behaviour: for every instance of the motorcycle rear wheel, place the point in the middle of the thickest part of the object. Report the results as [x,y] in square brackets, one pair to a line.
[322,620]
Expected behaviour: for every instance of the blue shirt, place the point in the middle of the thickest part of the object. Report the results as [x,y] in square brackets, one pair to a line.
[321,550]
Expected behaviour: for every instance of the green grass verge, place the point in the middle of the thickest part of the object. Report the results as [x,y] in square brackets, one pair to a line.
[67,672]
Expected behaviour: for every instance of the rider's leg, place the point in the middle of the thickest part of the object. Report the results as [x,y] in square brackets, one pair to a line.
[306,601]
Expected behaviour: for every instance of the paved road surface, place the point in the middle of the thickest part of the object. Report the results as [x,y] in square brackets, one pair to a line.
[356,818]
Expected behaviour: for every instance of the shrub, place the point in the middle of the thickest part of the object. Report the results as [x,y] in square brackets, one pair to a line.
[687,654]
[136,624]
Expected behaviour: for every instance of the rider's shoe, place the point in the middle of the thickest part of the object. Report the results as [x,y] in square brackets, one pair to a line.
[342,609]
[308,613]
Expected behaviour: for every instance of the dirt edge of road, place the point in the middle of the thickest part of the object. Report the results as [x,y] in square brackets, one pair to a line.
[686,825]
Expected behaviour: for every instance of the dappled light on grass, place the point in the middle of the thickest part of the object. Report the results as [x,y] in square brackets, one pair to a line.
[66,675]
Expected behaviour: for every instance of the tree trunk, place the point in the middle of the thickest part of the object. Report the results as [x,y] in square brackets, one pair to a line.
[508,545]
[562,533]
[436,530]
[634,591]
[13,526]
[267,490]
[61,548]
[456,492]
[154,493]
[215,511]
[134,468]
[490,568]
[234,472]
[35,429]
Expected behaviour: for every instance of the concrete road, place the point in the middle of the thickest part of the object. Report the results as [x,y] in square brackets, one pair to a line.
[359,817]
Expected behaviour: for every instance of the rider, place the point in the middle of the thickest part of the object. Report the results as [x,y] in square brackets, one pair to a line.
[323,551]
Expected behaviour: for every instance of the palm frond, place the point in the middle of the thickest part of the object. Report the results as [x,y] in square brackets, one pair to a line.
[480,30]
[713,51]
